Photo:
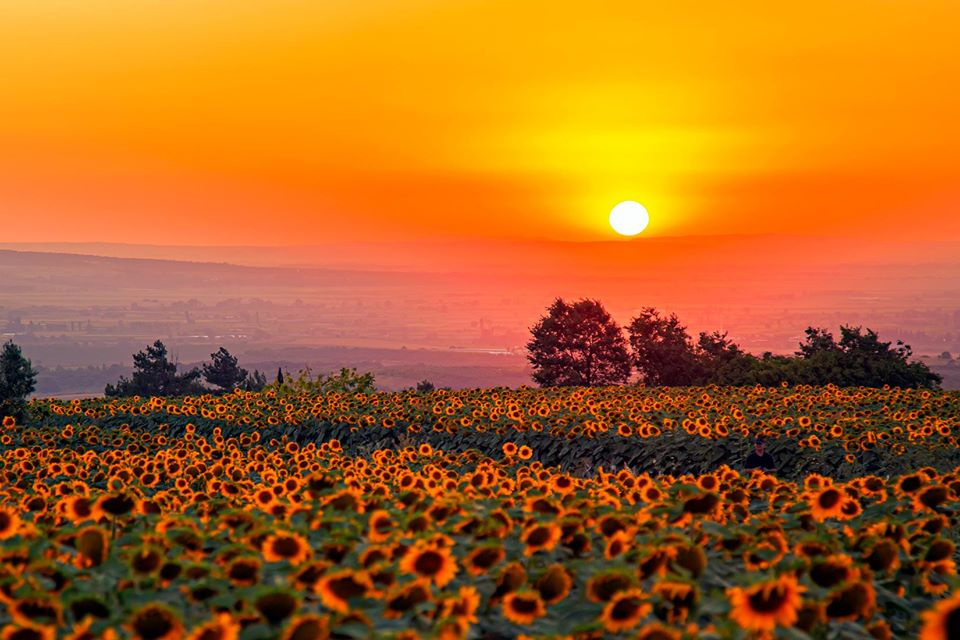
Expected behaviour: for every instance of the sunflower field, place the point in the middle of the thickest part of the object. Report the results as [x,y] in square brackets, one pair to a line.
[496,513]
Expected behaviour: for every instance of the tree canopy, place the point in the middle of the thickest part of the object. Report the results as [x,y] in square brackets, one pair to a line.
[223,372]
[570,341]
[155,375]
[578,344]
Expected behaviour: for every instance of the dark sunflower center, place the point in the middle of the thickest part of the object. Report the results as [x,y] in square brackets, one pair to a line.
[152,624]
[81,508]
[850,601]
[701,504]
[408,599]
[625,609]
[910,484]
[428,563]
[146,562]
[610,526]
[276,606]
[525,605]
[89,607]
[828,574]
[26,634]
[38,611]
[952,624]
[538,536]
[346,588]
[934,496]
[829,499]
[606,588]
[764,601]
[939,550]
[118,505]
[486,558]
[5,520]
[552,585]
[244,570]
[286,547]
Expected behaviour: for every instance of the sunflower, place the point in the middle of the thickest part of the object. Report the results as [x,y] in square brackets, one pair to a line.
[765,605]
[14,632]
[676,599]
[826,503]
[512,577]
[35,612]
[400,600]
[523,607]
[307,627]
[337,588]
[618,544]
[430,561]
[602,587]
[464,606]
[9,523]
[146,561]
[930,497]
[880,630]
[115,504]
[692,558]
[89,607]
[223,627]
[657,631]
[155,622]
[484,558]
[625,610]
[76,509]
[936,578]
[276,606]
[851,601]
[540,537]
[379,526]
[554,585]
[884,556]
[93,545]
[291,547]
[831,571]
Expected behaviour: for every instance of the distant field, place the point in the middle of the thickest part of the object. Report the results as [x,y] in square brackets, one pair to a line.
[483,514]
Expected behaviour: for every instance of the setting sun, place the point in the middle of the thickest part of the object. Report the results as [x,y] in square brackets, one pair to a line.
[629,218]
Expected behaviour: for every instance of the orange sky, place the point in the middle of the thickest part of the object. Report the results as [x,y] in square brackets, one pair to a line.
[306,121]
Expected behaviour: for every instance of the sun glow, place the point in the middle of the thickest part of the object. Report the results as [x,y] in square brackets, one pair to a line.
[629,218]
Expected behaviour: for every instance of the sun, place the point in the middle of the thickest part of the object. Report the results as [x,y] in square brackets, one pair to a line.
[629,218]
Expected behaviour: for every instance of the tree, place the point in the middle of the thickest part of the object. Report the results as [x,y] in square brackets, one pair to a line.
[817,341]
[578,344]
[155,375]
[255,381]
[425,386]
[223,371]
[860,358]
[664,354]
[715,351]
[17,381]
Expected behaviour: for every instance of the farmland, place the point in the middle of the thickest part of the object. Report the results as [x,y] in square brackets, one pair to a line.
[495,513]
